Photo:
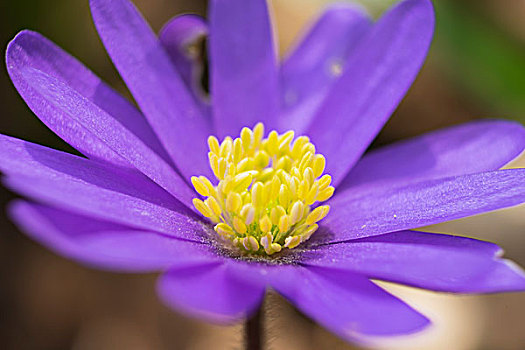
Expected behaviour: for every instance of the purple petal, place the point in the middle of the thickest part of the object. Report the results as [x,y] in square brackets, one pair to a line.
[30,49]
[377,77]
[244,81]
[211,290]
[66,100]
[314,66]
[178,36]
[97,243]
[345,303]
[366,211]
[425,260]
[465,149]
[93,188]
[158,89]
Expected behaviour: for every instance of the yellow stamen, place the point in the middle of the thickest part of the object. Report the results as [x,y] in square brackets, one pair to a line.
[258,133]
[319,165]
[214,206]
[296,212]
[239,225]
[284,195]
[309,232]
[264,191]
[242,181]
[233,202]
[226,147]
[317,215]
[261,159]
[311,196]
[257,195]
[247,138]
[213,144]
[326,194]
[248,213]
[199,186]
[237,150]
[276,214]
[224,230]
[250,243]
[202,208]
[324,182]
[265,224]
[292,242]
[284,223]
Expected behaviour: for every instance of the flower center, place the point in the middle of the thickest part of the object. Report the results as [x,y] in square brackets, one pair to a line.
[265,190]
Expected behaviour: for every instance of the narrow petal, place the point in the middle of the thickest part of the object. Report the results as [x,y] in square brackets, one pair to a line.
[465,149]
[152,79]
[98,243]
[315,64]
[30,49]
[93,188]
[73,105]
[180,37]
[345,303]
[425,260]
[366,211]
[377,77]
[244,77]
[210,290]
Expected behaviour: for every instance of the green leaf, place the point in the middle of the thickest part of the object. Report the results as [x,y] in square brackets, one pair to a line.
[481,58]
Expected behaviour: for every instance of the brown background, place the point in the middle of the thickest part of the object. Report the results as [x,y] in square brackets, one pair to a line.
[48,302]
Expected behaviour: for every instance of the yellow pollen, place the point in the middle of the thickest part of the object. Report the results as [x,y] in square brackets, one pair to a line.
[265,189]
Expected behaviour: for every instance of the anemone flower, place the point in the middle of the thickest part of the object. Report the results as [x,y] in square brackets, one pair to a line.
[301,209]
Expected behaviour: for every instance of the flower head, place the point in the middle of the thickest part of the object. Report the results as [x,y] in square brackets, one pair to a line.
[128,204]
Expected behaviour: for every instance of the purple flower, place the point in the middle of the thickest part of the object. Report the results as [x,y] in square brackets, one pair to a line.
[127,205]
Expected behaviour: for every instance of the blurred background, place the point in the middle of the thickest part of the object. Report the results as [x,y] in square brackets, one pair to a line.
[476,68]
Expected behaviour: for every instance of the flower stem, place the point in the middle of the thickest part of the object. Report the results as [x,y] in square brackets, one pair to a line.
[253,331]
